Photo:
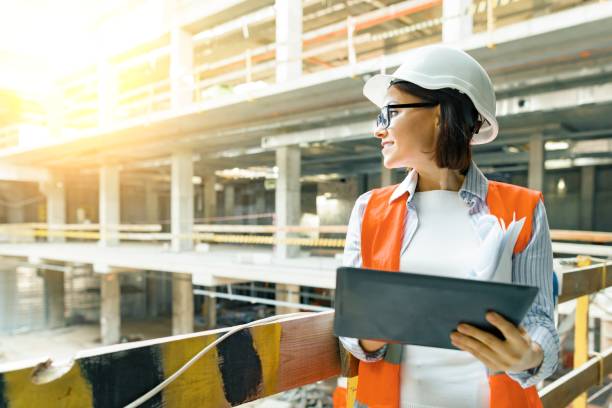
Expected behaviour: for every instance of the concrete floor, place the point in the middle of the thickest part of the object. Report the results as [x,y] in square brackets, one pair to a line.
[220,265]
[62,344]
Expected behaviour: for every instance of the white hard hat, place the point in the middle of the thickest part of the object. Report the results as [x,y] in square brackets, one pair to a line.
[439,66]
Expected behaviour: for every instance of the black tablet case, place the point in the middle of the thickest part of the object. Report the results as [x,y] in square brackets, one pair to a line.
[420,309]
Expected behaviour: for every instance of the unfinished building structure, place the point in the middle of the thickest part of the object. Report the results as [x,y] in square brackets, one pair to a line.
[226,147]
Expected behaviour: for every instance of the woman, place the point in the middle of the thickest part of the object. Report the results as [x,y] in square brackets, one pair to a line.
[433,108]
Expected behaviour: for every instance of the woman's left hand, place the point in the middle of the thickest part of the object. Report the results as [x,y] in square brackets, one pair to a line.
[516,353]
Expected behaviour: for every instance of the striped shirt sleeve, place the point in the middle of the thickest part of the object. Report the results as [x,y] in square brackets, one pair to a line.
[352,257]
[534,267]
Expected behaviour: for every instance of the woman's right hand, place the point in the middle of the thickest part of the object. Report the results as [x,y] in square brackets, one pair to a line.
[371,345]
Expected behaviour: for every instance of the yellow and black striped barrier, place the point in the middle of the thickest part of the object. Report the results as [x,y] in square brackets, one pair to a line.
[229,234]
[217,238]
[248,365]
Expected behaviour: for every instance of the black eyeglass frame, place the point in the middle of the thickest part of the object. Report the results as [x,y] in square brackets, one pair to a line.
[384,119]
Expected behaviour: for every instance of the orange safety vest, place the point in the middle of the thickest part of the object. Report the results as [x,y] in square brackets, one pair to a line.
[377,384]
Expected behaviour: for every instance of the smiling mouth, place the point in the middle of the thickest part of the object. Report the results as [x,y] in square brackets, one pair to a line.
[385,144]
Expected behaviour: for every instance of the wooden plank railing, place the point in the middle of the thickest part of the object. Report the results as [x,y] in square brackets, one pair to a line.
[577,284]
[251,364]
[585,280]
[566,389]
[582,236]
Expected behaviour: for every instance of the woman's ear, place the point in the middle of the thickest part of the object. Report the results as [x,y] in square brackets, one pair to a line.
[437,116]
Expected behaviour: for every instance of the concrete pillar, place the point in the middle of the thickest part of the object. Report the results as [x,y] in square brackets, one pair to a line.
[109,205]
[287,293]
[110,313]
[182,201]
[182,303]
[56,207]
[457,20]
[54,298]
[181,66]
[260,201]
[288,40]
[229,200]
[210,197]
[209,312]
[151,202]
[107,93]
[587,197]
[536,162]
[386,178]
[288,211]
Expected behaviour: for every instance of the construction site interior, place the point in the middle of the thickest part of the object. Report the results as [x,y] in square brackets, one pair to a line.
[171,167]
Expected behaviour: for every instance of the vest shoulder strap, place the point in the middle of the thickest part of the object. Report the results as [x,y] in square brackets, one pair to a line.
[381,221]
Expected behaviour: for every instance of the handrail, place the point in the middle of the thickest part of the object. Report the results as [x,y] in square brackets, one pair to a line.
[582,236]
[558,235]
[585,281]
[228,234]
[564,390]
[271,358]
[580,287]
[329,229]
[84,227]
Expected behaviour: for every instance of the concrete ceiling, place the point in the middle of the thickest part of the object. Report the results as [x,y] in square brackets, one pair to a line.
[236,123]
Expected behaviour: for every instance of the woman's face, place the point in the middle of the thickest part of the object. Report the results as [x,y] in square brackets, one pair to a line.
[410,139]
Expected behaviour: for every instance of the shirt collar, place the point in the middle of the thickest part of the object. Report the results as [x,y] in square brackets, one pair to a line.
[475,184]
[408,185]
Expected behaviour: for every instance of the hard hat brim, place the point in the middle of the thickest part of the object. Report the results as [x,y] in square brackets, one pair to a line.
[375,89]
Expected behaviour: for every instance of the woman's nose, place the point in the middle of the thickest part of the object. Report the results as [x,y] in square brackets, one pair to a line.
[380,132]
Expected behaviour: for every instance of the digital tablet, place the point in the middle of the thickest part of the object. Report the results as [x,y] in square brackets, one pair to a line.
[419,309]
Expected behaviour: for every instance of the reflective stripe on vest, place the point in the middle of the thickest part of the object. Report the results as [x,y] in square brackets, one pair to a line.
[382,228]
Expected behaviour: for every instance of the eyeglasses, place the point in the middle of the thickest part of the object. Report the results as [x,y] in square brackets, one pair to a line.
[384,118]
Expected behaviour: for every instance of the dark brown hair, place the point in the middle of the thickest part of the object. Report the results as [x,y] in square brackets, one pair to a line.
[459,120]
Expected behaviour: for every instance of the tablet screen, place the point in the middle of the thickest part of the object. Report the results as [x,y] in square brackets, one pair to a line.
[421,309]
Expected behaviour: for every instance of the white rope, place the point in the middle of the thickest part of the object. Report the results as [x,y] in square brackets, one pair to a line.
[150,394]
